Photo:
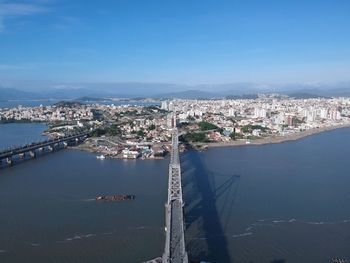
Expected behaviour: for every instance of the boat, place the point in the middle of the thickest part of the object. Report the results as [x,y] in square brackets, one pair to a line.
[114,197]
[101,157]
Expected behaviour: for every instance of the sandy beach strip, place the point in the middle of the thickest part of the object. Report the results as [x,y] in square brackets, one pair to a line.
[273,139]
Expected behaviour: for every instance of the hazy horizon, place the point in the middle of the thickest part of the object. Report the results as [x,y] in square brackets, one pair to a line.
[159,87]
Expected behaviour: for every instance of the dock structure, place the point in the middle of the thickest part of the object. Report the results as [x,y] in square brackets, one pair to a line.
[175,249]
[33,148]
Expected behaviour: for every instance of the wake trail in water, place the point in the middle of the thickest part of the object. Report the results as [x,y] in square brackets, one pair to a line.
[34,244]
[77,237]
[249,231]
[242,235]
[91,235]
[266,222]
[87,200]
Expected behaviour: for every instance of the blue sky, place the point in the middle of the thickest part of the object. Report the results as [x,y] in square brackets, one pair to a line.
[189,42]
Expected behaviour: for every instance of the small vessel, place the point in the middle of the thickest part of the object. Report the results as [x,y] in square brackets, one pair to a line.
[100,157]
[114,197]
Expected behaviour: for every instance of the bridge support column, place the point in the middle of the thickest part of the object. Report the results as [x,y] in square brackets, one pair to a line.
[9,161]
[65,144]
[32,154]
[50,148]
[21,156]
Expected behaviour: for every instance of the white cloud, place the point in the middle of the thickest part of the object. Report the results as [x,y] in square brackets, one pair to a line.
[15,10]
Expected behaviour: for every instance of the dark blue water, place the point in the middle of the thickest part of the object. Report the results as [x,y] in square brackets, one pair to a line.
[16,134]
[286,202]
[48,212]
[26,103]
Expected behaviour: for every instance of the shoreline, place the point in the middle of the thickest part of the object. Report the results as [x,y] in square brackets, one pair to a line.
[269,140]
[240,143]
[88,149]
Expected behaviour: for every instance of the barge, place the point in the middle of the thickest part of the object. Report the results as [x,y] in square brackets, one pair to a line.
[114,197]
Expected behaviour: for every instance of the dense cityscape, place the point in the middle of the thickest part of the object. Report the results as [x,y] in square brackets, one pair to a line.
[144,131]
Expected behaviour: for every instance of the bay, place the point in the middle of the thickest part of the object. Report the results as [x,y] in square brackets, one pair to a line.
[285,202]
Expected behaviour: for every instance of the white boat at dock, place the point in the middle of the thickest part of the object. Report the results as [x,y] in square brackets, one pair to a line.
[100,157]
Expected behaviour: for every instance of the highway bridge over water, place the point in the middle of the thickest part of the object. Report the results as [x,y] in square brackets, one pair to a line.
[50,144]
[175,249]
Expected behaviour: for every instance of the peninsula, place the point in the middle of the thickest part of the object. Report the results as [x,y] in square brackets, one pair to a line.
[143,131]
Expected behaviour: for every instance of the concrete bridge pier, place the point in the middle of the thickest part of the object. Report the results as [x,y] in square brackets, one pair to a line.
[21,156]
[9,161]
[50,148]
[40,149]
[32,154]
[56,146]
[65,144]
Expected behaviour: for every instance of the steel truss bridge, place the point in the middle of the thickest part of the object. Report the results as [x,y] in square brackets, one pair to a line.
[175,249]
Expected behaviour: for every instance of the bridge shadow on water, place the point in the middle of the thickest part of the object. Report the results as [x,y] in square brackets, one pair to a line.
[209,198]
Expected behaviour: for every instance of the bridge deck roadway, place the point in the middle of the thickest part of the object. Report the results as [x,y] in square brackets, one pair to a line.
[175,237]
[176,232]
[34,146]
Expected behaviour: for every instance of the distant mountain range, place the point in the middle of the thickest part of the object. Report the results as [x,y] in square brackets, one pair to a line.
[15,94]
[169,91]
[57,94]
[189,94]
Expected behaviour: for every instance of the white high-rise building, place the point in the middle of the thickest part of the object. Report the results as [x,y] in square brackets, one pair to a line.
[323,113]
[164,105]
[231,112]
[259,113]
[171,106]
[334,114]
[311,116]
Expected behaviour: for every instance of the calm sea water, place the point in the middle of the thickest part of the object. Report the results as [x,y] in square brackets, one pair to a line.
[26,103]
[16,134]
[275,203]
[286,202]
